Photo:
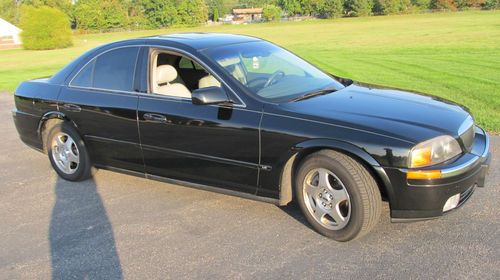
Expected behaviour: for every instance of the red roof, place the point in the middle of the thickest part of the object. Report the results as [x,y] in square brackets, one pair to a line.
[247,11]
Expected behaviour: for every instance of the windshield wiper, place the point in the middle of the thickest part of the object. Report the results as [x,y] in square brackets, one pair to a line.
[313,93]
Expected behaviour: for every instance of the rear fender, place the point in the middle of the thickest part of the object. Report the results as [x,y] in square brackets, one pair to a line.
[52,115]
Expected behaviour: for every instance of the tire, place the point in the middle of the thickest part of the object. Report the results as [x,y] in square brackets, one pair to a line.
[67,152]
[345,203]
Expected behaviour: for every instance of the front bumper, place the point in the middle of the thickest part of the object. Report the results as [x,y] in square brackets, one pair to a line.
[424,199]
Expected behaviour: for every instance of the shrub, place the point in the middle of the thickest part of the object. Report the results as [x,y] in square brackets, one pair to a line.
[271,13]
[44,28]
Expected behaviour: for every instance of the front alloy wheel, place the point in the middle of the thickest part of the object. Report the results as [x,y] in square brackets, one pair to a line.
[337,195]
[327,199]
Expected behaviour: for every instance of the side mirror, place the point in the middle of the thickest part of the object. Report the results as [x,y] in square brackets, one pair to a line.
[209,95]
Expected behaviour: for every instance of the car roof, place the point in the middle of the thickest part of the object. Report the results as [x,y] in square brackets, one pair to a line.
[202,40]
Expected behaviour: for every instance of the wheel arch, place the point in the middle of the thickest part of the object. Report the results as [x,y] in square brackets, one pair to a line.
[55,116]
[302,150]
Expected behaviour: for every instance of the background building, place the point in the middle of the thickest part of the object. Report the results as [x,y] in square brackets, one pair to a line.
[247,15]
[9,35]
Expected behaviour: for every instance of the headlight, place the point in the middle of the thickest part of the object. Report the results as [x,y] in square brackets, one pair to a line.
[434,151]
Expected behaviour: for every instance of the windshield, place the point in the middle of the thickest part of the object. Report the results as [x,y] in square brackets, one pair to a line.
[269,71]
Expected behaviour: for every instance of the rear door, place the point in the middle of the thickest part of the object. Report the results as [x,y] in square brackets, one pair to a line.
[209,144]
[101,101]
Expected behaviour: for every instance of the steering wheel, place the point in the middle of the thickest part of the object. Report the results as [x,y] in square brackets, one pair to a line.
[274,77]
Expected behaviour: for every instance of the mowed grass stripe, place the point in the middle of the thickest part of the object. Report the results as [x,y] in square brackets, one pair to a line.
[443,84]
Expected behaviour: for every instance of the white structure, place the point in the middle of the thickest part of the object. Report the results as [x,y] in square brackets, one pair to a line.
[9,35]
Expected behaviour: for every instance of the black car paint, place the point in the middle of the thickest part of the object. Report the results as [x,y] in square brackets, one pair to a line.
[246,146]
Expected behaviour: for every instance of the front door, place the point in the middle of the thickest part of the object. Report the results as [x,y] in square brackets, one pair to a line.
[206,144]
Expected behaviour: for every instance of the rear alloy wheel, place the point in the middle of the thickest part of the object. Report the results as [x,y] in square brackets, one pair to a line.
[67,153]
[338,196]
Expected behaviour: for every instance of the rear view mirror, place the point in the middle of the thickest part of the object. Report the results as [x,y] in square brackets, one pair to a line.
[209,95]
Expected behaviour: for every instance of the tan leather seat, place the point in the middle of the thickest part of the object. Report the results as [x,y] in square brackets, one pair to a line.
[208,81]
[165,75]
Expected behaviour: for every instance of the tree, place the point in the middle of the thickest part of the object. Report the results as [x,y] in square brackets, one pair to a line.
[469,3]
[216,15]
[9,10]
[329,8]
[271,13]
[100,15]
[191,12]
[63,5]
[159,13]
[215,8]
[421,4]
[45,28]
[443,5]
[405,6]
[309,7]
[136,18]
[357,8]
[491,4]
[254,3]
[292,7]
[387,7]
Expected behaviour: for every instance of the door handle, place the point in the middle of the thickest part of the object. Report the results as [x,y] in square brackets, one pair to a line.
[72,107]
[155,117]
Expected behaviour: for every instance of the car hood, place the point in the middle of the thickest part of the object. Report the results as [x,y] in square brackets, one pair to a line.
[413,117]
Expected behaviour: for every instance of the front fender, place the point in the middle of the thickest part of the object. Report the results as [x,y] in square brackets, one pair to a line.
[303,149]
[337,145]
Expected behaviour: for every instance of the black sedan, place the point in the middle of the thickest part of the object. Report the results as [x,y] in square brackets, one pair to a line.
[240,115]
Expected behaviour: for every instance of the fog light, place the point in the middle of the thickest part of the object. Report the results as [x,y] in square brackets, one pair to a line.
[451,203]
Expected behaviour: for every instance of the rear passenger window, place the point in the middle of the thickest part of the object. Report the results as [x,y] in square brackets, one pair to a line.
[113,70]
[84,78]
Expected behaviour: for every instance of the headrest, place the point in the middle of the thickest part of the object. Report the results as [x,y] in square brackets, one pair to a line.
[165,74]
[208,81]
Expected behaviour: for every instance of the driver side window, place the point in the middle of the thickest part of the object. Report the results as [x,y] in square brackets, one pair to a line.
[176,75]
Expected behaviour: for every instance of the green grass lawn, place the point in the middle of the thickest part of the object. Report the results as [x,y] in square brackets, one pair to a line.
[451,55]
